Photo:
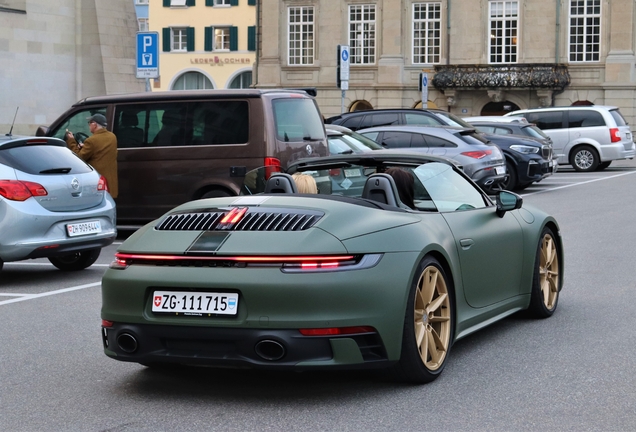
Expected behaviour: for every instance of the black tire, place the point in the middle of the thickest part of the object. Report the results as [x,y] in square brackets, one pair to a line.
[513,178]
[215,193]
[603,165]
[1,264]
[428,325]
[523,186]
[546,281]
[76,260]
[584,158]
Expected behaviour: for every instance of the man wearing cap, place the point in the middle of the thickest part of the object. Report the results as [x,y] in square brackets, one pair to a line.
[99,150]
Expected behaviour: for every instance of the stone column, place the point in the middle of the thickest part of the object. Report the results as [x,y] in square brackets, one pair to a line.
[619,17]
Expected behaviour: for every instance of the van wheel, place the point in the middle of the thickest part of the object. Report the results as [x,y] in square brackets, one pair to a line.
[76,260]
[584,158]
[215,193]
[603,165]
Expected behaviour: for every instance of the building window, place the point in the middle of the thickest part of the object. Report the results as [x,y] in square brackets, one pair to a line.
[243,80]
[427,32]
[177,2]
[362,34]
[221,38]
[221,2]
[504,20]
[143,24]
[301,35]
[192,81]
[179,39]
[585,30]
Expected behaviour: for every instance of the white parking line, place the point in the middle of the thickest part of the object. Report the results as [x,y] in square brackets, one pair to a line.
[49,293]
[579,183]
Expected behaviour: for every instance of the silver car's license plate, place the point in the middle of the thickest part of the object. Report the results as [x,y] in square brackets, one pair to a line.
[352,172]
[500,170]
[84,228]
[195,303]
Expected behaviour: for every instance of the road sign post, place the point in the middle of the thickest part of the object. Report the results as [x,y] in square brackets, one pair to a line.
[342,77]
[424,89]
[147,55]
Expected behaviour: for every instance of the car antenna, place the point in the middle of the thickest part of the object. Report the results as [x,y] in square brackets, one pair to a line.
[16,114]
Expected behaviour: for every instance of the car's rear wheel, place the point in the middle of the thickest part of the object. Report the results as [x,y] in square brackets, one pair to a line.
[215,193]
[546,280]
[76,260]
[584,158]
[428,324]
[1,264]
[603,165]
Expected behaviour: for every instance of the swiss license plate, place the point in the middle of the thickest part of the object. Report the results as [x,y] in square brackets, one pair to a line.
[195,303]
[500,170]
[352,172]
[83,228]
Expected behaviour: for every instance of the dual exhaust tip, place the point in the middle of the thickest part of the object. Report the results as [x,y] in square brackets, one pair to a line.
[266,349]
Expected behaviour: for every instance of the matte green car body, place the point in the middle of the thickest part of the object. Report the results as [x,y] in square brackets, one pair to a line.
[489,258]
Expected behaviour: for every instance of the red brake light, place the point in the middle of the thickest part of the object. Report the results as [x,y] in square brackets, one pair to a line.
[335,331]
[102,184]
[334,172]
[272,165]
[477,154]
[17,190]
[615,135]
[233,216]
[106,323]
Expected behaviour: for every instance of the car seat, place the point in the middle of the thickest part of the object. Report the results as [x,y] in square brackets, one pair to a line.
[381,188]
[128,134]
[281,183]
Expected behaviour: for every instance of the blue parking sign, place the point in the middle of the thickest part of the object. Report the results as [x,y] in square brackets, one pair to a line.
[147,55]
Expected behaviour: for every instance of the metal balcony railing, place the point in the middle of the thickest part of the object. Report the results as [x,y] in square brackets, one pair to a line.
[510,76]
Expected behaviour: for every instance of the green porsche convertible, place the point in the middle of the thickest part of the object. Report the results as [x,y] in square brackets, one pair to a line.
[373,271]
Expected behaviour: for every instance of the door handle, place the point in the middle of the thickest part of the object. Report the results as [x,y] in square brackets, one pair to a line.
[466,243]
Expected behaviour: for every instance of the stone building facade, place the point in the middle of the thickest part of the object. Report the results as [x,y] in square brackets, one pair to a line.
[56,52]
[481,56]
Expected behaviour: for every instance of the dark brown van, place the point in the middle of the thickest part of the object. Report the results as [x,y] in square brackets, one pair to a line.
[179,146]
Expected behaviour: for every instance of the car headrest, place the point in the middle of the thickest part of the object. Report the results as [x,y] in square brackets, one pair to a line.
[381,188]
[281,183]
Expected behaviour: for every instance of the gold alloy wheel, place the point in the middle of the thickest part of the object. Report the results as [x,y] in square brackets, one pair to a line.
[549,272]
[432,318]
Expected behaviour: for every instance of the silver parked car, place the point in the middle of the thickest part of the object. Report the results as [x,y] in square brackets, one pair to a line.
[482,160]
[52,204]
[587,137]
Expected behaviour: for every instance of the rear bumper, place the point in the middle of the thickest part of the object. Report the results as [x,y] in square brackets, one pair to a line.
[616,151]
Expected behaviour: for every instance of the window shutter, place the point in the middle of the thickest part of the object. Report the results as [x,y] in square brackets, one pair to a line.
[251,38]
[190,2]
[233,38]
[209,2]
[251,2]
[167,40]
[166,3]
[209,39]
[233,2]
[190,42]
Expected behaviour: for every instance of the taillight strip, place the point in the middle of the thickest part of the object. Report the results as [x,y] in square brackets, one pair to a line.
[267,259]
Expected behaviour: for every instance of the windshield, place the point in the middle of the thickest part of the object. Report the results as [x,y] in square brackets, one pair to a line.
[297,119]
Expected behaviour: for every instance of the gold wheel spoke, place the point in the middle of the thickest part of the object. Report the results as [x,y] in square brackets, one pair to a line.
[437,303]
[432,348]
[438,319]
[429,280]
[420,333]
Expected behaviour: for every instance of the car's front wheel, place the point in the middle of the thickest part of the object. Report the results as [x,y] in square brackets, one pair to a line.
[76,260]
[428,324]
[546,280]
[584,158]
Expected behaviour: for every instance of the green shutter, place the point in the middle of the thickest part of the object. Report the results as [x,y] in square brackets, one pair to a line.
[190,41]
[251,2]
[233,38]
[167,42]
[251,38]
[166,3]
[233,2]
[190,2]
[209,39]
[209,2]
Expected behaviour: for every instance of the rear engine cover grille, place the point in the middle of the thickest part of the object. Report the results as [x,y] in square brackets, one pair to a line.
[253,220]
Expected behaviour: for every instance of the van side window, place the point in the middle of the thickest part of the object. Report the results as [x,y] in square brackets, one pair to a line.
[77,123]
[220,122]
[546,120]
[585,118]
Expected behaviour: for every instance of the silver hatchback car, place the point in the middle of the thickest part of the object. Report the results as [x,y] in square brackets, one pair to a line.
[481,160]
[52,204]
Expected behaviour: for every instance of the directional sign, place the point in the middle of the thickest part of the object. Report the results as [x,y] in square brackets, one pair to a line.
[424,89]
[342,77]
[147,55]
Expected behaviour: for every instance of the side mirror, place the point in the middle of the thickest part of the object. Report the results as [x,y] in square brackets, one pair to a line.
[42,131]
[507,201]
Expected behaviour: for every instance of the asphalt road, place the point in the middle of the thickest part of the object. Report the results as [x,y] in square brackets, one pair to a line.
[571,372]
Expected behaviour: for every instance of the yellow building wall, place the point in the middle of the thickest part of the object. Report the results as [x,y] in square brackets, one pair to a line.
[219,67]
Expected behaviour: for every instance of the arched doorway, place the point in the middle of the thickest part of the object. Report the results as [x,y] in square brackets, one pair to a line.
[192,81]
[429,104]
[242,80]
[582,103]
[360,105]
[498,108]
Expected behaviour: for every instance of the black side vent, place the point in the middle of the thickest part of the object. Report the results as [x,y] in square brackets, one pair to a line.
[258,220]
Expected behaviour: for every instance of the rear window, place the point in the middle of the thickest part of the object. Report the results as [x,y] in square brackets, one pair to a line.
[43,160]
[618,117]
[297,119]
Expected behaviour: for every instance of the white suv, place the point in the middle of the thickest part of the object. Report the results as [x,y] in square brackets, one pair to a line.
[587,137]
